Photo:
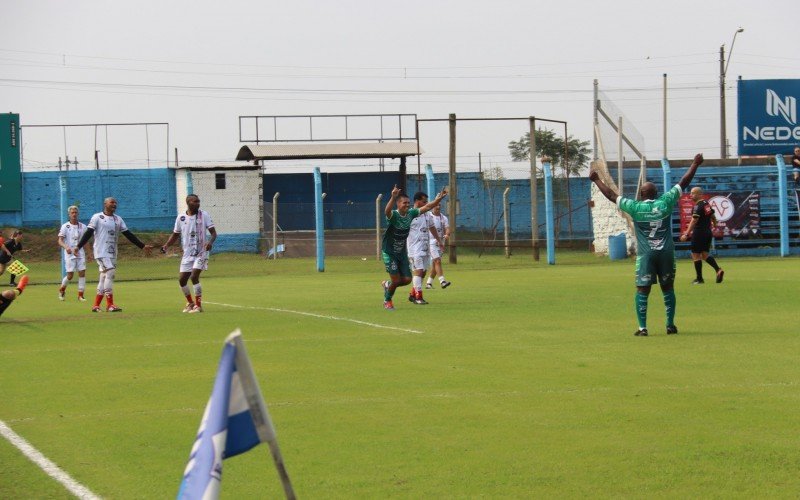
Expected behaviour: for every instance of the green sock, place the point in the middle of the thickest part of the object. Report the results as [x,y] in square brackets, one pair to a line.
[669,305]
[387,296]
[640,303]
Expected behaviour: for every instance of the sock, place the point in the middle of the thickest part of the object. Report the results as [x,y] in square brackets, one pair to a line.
[417,281]
[109,287]
[713,263]
[81,285]
[640,303]
[441,279]
[198,293]
[187,294]
[669,305]
[101,282]
[97,299]
[387,294]
[430,280]
[109,298]
[64,282]
[698,269]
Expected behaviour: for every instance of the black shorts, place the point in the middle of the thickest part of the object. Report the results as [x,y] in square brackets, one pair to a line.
[5,258]
[701,243]
[4,303]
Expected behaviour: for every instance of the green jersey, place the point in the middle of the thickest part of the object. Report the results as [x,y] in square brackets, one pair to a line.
[394,239]
[651,218]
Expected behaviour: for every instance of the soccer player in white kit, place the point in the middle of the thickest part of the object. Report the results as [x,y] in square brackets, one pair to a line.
[68,237]
[437,249]
[191,227]
[419,254]
[106,227]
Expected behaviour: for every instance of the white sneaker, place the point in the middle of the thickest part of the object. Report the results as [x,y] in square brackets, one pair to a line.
[188,308]
[196,309]
[428,286]
[81,298]
[61,296]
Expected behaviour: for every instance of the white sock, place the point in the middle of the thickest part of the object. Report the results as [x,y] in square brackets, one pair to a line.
[64,282]
[417,281]
[430,280]
[109,285]
[198,290]
[185,290]
[441,279]
[101,284]
[81,283]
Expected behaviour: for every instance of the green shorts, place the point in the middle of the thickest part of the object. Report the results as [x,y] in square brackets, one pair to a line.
[397,264]
[656,266]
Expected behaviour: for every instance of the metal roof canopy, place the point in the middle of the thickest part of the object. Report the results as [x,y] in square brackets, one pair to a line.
[316,151]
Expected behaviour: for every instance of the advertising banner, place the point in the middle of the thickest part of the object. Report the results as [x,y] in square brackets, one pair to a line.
[768,117]
[738,214]
[10,175]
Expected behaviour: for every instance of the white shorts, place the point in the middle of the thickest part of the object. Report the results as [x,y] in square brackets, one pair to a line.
[436,252]
[420,262]
[106,263]
[72,264]
[189,263]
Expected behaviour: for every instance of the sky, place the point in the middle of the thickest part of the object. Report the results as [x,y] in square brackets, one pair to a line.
[198,66]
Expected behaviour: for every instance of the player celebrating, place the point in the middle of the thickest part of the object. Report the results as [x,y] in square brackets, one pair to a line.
[68,237]
[699,230]
[106,227]
[394,252]
[9,296]
[655,252]
[437,246]
[420,233]
[191,227]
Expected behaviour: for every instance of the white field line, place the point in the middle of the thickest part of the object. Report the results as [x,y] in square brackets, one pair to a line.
[313,315]
[46,465]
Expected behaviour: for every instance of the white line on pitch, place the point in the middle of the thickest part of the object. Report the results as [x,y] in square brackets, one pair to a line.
[321,316]
[46,465]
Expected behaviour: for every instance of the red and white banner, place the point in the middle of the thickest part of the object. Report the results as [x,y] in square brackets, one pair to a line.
[738,214]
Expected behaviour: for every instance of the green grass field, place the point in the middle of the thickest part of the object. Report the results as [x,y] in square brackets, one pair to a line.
[525,381]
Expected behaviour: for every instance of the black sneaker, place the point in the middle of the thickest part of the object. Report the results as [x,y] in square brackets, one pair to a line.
[720,275]
[641,332]
[672,330]
[421,302]
[411,298]
[445,284]
[698,282]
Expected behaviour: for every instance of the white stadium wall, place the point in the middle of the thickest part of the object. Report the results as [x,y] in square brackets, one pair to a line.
[607,221]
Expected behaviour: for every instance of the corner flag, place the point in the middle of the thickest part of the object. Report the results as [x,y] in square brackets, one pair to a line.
[235,420]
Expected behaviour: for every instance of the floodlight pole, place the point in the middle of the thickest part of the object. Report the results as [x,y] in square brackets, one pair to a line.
[723,70]
[534,195]
[453,188]
[506,222]
[378,226]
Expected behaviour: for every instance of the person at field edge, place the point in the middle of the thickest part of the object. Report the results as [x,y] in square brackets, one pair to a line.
[796,165]
[420,233]
[655,259]
[106,227]
[191,228]
[9,296]
[68,237]
[393,248]
[11,246]
[699,230]
[442,225]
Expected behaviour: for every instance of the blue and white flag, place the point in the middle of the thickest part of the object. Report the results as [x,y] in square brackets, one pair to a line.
[235,420]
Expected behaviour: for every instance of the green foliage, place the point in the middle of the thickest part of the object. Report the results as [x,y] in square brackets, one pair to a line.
[526,382]
[552,145]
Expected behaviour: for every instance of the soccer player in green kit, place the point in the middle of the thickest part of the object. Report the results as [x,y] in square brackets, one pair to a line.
[655,250]
[393,249]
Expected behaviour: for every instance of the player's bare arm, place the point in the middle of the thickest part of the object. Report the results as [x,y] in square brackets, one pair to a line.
[391,202]
[607,191]
[211,240]
[436,236]
[685,236]
[63,244]
[435,202]
[689,175]
[170,241]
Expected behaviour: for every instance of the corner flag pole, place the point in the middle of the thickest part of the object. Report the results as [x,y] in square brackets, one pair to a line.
[262,420]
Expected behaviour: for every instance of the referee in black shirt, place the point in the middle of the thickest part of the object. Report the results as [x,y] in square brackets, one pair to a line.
[703,220]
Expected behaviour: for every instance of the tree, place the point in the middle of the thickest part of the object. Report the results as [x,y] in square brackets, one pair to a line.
[549,144]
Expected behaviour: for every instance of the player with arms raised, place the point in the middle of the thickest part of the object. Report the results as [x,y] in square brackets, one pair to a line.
[106,227]
[394,250]
[191,227]
[655,251]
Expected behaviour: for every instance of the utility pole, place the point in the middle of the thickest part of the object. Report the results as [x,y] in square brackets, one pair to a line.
[723,70]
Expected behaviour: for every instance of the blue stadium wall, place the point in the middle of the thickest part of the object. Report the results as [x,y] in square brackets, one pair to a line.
[146,197]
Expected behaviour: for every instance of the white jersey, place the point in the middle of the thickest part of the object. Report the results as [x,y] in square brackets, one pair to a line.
[192,229]
[71,233]
[418,236]
[441,224]
[107,229]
